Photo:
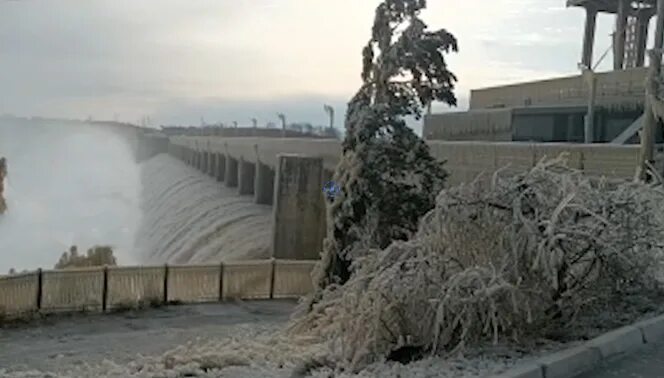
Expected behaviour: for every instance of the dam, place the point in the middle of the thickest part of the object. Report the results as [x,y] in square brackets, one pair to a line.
[197,199]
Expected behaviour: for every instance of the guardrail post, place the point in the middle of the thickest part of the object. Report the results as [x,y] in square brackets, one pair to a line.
[39,288]
[166,283]
[221,282]
[104,290]
[272,274]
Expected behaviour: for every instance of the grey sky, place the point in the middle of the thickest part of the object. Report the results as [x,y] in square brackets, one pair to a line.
[225,60]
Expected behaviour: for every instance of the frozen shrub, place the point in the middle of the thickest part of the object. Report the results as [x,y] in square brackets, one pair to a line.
[519,260]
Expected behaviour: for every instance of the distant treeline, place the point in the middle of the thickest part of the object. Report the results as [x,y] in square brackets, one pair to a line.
[96,256]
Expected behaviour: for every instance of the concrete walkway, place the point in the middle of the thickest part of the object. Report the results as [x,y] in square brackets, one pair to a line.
[645,363]
[61,341]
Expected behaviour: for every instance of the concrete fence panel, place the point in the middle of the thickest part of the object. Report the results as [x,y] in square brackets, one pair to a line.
[292,279]
[247,280]
[72,289]
[477,159]
[18,293]
[610,161]
[194,284]
[574,153]
[132,285]
[514,158]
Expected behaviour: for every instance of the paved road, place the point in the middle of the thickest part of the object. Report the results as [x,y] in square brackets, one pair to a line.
[645,363]
[120,337]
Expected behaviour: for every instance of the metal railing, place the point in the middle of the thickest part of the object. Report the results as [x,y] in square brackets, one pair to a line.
[108,288]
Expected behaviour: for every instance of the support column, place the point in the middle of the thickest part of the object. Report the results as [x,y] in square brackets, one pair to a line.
[589,37]
[264,184]
[619,36]
[231,172]
[206,162]
[221,167]
[647,151]
[298,209]
[212,170]
[642,37]
[246,174]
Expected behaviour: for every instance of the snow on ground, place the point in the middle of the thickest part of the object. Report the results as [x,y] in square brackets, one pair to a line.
[188,340]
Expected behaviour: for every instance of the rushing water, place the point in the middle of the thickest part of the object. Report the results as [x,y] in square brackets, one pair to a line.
[77,184]
[191,218]
[67,184]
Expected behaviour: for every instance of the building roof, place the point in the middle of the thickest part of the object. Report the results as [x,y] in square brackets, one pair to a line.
[611,6]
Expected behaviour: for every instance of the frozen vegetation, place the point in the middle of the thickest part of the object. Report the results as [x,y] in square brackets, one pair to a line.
[493,275]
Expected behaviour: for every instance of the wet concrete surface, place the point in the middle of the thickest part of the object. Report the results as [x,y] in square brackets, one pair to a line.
[120,337]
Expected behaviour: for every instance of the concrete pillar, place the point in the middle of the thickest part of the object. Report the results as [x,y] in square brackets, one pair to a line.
[642,37]
[221,167]
[298,208]
[206,162]
[619,36]
[231,172]
[589,37]
[264,184]
[212,169]
[246,174]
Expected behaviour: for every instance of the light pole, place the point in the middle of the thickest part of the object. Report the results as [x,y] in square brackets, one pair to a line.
[282,117]
[330,112]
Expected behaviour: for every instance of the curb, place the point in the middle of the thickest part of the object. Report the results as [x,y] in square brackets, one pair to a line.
[573,361]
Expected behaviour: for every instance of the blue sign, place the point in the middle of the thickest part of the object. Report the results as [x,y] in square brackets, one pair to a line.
[331,190]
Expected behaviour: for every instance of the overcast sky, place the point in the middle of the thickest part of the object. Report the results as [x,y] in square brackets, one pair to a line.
[225,60]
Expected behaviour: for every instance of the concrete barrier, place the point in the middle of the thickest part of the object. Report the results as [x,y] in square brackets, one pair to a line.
[19,293]
[103,289]
[292,277]
[247,280]
[73,290]
[193,284]
[131,285]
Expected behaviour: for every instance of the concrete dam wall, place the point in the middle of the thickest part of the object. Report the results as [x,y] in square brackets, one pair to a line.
[290,173]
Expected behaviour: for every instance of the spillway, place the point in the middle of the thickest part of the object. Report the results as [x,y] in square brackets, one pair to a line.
[79,184]
[189,217]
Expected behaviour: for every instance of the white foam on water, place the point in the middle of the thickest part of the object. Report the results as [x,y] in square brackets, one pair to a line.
[67,184]
[189,217]
[78,184]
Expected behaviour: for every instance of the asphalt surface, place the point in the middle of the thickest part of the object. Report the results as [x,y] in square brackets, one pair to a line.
[64,340]
[647,362]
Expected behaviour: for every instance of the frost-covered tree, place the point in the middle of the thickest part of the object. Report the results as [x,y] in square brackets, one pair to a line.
[387,176]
